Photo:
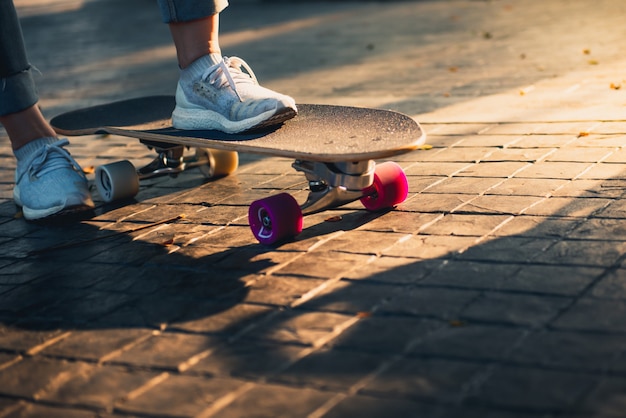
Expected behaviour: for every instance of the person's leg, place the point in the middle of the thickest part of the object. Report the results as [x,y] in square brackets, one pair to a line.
[213,92]
[47,180]
[195,39]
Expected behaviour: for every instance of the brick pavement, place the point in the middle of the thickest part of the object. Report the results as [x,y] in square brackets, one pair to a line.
[496,290]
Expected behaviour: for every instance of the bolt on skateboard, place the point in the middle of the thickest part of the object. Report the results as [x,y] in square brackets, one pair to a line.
[335,147]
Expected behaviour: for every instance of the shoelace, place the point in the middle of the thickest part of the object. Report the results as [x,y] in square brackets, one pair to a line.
[52,157]
[230,69]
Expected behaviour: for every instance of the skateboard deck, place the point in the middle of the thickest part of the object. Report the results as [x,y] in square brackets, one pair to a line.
[334,146]
[318,133]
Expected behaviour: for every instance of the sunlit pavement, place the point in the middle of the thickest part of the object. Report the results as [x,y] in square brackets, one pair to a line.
[497,289]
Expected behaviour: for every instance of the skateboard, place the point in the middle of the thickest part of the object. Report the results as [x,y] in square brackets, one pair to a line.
[335,147]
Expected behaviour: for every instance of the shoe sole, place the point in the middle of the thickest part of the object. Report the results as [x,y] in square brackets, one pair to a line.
[194,119]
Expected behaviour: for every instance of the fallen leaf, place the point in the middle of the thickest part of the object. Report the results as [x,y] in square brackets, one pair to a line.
[168,242]
[453,69]
[586,51]
[425,147]
[89,170]
[336,218]
[593,62]
[583,133]
[363,314]
[615,86]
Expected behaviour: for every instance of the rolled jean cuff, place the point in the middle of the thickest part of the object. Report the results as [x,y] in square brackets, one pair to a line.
[185,10]
[17,92]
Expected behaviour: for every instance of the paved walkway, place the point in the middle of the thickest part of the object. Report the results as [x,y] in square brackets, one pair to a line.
[498,289]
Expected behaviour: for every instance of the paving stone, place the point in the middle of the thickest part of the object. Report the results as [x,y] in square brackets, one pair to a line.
[583,252]
[250,359]
[331,370]
[276,400]
[556,280]
[464,225]
[468,341]
[34,410]
[611,286]
[430,302]
[490,204]
[334,263]
[393,270]
[592,352]
[519,309]
[164,351]
[423,379]
[538,226]
[594,314]
[94,386]
[179,396]
[385,334]
[300,327]
[607,398]
[520,388]
[574,207]
[465,185]
[509,249]
[94,345]
[527,187]
[365,406]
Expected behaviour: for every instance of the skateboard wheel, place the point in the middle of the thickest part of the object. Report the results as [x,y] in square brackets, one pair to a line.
[117,181]
[390,187]
[221,162]
[275,218]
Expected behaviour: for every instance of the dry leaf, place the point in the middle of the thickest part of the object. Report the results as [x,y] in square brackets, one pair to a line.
[89,170]
[615,86]
[593,62]
[425,147]
[168,242]
[336,218]
[453,69]
[364,314]
[581,134]
[586,51]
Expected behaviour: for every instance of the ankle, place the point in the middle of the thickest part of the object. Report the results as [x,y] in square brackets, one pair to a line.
[24,152]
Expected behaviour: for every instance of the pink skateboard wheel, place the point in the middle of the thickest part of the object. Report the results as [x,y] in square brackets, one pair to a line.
[390,187]
[275,218]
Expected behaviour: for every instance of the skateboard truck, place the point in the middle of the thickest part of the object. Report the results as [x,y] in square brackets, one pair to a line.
[279,217]
[120,180]
[334,184]
[170,160]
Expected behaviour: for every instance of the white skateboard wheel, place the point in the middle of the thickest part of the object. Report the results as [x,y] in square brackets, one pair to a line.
[117,181]
[221,162]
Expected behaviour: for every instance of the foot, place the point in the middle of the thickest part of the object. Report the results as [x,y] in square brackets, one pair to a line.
[214,93]
[48,181]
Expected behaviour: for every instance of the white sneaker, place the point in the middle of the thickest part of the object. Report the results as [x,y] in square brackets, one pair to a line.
[48,181]
[214,93]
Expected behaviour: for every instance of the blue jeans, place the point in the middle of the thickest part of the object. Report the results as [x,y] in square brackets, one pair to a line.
[186,10]
[17,87]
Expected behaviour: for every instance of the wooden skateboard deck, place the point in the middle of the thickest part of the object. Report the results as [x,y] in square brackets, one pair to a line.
[318,133]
